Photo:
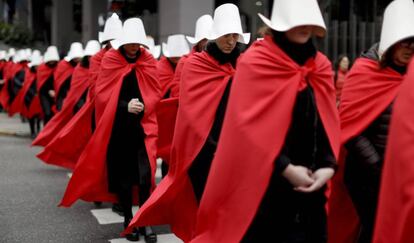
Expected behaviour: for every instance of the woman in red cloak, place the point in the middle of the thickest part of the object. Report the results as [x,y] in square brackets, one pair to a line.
[365,112]
[280,138]
[120,156]
[205,86]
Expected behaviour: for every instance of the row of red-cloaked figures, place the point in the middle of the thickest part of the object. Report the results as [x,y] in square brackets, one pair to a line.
[106,107]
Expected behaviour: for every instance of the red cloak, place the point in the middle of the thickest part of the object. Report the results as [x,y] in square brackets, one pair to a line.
[62,151]
[395,215]
[95,64]
[166,117]
[79,129]
[265,86]
[19,104]
[175,87]
[10,70]
[79,85]
[167,113]
[165,75]
[173,202]
[63,71]
[367,92]
[89,179]
[43,73]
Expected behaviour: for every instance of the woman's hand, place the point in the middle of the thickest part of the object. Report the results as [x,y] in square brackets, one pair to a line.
[135,106]
[320,176]
[298,176]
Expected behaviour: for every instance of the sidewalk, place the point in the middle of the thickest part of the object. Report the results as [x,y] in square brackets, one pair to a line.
[13,126]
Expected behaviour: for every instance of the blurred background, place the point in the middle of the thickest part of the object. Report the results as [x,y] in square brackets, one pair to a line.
[352,25]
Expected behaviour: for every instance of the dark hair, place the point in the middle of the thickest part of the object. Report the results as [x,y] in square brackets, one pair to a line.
[336,67]
[387,58]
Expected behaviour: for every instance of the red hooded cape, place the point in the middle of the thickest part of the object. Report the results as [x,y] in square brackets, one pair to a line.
[43,73]
[367,92]
[89,179]
[95,64]
[79,84]
[79,129]
[165,74]
[19,104]
[265,85]
[395,215]
[203,83]
[10,70]
[63,70]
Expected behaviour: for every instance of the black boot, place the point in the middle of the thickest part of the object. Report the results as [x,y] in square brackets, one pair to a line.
[150,236]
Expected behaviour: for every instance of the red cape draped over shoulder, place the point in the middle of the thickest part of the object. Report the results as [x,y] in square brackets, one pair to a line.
[265,86]
[79,84]
[63,70]
[19,104]
[78,129]
[367,92]
[173,202]
[395,215]
[43,73]
[165,74]
[89,179]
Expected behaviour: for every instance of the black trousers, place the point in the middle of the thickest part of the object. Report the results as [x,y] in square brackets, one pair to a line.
[287,216]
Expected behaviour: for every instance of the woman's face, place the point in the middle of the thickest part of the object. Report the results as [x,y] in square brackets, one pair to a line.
[227,43]
[131,49]
[344,64]
[403,52]
[300,34]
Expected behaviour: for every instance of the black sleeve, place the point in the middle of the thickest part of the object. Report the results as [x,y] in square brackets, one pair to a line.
[363,149]
[129,90]
[281,163]
[324,155]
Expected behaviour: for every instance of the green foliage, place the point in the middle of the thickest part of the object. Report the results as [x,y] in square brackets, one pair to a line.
[15,35]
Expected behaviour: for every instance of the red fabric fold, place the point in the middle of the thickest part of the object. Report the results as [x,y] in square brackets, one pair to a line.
[89,179]
[10,69]
[265,86]
[95,65]
[166,117]
[367,92]
[395,215]
[43,73]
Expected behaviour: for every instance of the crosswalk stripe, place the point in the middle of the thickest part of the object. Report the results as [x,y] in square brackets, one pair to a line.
[107,216]
[164,238]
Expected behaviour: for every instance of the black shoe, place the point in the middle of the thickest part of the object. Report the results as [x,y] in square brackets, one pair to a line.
[134,236]
[117,208]
[97,204]
[150,236]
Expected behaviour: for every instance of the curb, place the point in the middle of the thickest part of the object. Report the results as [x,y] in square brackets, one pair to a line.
[14,134]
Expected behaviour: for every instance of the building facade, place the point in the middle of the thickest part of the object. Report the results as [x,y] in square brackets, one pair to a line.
[353,26]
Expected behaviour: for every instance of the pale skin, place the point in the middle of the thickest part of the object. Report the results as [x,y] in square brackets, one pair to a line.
[135,106]
[303,179]
[227,43]
[344,64]
[403,52]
